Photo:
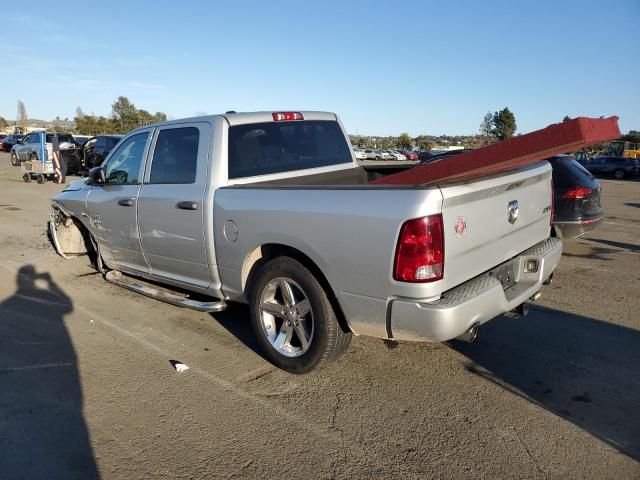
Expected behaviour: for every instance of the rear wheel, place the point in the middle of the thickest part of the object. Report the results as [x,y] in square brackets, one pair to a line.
[293,319]
[26,177]
[40,178]
[619,174]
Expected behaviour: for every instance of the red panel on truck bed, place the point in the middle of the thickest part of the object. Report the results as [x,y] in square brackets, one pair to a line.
[559,138]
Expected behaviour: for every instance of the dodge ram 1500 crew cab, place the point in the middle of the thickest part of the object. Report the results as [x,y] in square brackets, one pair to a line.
[272,209]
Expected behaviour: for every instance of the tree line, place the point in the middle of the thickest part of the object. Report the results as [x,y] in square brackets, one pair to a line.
[496,126]
[124,118]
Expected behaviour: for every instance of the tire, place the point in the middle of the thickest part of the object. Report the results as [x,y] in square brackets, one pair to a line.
[26,177]
[40,178]
[278,328]
[378,158]
[619,174]
[14,159]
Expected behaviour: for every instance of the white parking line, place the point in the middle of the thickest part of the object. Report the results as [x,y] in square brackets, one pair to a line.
[623,224]
[36,367]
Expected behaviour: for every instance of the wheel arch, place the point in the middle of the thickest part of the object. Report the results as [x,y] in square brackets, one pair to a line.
[263,253]
[77,223]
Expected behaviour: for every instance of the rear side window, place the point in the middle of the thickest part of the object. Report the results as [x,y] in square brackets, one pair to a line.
[175,157]
[275,147]
[568,173]
[61,138]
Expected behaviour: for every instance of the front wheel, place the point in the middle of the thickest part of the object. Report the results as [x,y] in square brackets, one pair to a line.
[40,178]
[26,178]
[619,174]
[14,159]
[293,319]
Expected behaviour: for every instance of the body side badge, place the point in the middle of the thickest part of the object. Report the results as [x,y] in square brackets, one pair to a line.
[460,227]
[512,211]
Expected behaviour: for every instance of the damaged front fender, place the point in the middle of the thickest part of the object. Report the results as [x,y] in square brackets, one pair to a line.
[67,234]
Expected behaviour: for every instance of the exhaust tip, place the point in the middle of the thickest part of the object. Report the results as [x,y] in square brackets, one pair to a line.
[470,335]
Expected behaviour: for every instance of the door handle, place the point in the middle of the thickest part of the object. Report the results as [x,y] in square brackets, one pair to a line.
[188,205]
[126,202]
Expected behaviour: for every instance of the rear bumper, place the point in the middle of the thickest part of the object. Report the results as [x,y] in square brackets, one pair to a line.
[474,302]
[575,229]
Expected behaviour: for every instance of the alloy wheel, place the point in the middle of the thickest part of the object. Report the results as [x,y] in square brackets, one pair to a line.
[286,317]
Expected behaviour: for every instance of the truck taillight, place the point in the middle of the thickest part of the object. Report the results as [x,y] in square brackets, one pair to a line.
[286,116]
[420,250]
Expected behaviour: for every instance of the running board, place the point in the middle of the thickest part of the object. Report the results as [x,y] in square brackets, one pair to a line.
[118,278]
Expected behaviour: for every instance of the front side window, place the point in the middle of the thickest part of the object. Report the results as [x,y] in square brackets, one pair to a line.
[123,167]
[175,157]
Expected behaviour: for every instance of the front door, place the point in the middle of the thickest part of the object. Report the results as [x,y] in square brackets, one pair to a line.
[171,209]
[22,150]
[112,207]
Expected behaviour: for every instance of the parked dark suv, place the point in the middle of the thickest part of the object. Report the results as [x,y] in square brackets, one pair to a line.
[96,149]
[577,208]
[9,141]
[618,167]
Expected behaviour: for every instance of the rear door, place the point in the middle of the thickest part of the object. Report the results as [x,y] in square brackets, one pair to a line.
[112,208]
[171,209]
[490,220]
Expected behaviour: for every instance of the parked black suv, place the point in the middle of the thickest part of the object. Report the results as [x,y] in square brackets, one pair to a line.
[96,149]
[619,167]
[577,208]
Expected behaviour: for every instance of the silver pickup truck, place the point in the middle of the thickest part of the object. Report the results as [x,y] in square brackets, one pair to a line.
[272,209]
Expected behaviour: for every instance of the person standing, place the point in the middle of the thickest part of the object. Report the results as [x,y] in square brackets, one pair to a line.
[59,164]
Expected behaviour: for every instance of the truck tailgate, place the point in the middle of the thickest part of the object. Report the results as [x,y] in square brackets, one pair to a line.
[479,225]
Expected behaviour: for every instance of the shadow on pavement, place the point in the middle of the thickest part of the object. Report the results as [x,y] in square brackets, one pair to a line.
[236,320]
[625,246]
[581,369]
[637,205]
[42,429]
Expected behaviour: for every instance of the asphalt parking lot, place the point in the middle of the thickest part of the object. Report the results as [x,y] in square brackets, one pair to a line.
[88,390]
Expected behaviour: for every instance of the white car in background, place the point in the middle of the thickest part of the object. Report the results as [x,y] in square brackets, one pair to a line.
[371,154]
[382,155]
[360,154]
[397,155]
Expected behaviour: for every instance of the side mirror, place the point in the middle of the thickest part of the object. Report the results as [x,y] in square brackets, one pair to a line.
[96,176]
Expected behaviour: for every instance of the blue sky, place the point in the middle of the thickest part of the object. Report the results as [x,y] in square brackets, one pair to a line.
[384,67]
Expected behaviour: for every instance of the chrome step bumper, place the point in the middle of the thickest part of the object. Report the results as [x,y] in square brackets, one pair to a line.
[476,301]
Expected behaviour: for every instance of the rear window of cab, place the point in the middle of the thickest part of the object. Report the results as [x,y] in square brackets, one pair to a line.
[277,147]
